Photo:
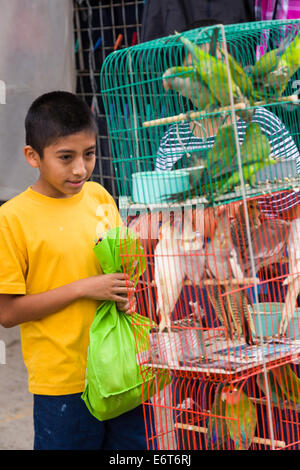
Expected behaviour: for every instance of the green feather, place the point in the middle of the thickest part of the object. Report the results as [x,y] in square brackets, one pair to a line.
[217,430]
[288,382]
[241,420]
[213,72]
[242,79]
[277,397]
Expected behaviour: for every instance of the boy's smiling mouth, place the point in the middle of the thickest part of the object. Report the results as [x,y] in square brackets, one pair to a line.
[76,183]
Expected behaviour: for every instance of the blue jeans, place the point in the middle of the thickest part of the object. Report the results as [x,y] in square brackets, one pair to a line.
[63,422]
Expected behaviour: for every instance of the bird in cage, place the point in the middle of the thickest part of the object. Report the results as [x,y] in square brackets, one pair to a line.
[289,382]
[178,255]
[217,429]
[213,72]
[202,69]
[168,275]
[243,80]
[266,79]
[238,228]
[276,394]
[229,300]
[274,69]
[186,81]
[268,238]
[283,384]
[240,417]
[220,172]
[255,153]
[293,279]
[232,416]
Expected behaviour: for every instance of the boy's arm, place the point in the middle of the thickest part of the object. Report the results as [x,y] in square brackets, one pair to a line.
[16,309]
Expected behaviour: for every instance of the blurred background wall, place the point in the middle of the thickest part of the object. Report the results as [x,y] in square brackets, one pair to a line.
[36,56]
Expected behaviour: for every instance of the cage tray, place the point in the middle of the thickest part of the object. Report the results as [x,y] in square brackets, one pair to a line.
[236,358]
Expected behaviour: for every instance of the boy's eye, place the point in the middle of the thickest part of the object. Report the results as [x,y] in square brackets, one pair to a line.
[90,154]
[65,158]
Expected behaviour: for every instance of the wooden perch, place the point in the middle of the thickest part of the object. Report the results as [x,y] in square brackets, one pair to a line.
[216,282]
[190,116]
[255,440]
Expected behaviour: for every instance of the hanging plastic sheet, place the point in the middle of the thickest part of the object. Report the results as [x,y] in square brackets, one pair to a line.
[36,56]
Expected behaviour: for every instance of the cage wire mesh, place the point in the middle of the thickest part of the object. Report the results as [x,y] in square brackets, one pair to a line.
[99,28]
[222,277]
[140,112]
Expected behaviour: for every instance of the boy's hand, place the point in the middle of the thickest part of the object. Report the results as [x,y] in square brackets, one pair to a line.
[107,287]
[127,306]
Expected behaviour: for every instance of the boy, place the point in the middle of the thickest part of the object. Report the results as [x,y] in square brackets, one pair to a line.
[50,280]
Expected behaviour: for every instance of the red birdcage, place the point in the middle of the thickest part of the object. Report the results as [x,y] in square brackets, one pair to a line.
[224,350]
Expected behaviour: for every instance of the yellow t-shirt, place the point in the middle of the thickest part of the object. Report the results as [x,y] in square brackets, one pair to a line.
[46,243]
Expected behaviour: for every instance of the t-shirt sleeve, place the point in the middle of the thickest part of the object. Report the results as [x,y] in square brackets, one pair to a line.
[276,205]
[170,147]
[160,162]
[283,148]
[13,263]
[282,144]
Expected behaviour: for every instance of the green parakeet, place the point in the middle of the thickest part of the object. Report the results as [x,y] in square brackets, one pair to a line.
[218,160]
[217,430]
[289,382]
[240,417]
[223,149]
[186,81]
[267,63]
[221,173]
[241,78]
[255,149]
[245,84]
[276,395]
[255,154]
[284,384]
[273,71]
[213,73]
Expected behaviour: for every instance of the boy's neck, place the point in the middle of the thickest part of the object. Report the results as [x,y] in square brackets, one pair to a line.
[40,188]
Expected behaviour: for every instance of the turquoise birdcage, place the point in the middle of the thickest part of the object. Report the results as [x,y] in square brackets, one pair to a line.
[154,127]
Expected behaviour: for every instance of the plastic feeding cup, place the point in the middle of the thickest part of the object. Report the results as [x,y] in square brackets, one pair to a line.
[152,187]
[268,315]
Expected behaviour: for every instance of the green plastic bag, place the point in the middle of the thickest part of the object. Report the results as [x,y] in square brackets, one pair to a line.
[114,384]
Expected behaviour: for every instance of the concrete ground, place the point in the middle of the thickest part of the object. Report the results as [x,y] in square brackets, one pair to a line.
[16,423]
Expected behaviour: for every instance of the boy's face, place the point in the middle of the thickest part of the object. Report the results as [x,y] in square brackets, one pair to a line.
[66,164]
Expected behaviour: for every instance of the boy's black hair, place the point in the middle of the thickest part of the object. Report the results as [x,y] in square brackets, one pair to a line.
[56,114]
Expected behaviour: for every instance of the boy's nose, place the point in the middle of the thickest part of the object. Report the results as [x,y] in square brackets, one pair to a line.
[79,168]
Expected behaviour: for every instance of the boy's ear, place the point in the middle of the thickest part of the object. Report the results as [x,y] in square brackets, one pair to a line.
[32,156]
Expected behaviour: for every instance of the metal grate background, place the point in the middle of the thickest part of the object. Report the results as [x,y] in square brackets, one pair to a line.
[99,28]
